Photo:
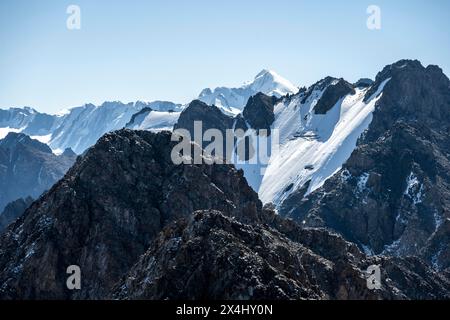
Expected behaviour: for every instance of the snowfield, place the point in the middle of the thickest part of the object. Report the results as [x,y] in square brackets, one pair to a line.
[4,131]
[313,146]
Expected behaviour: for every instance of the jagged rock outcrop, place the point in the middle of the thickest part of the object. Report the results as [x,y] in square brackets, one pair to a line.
[258,111]
[211,256]
[258,114]
[210,117]
[28,167]
[392,196]
[12,211]
[318,86]
[332,94]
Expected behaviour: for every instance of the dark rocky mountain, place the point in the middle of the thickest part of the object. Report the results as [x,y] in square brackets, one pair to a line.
[210,117]
[258,111]
[28,167]
[318,86]
[129,218]
[103,214]
[392,196]
[258,114]
[209,255]
[332,95]
[12,211]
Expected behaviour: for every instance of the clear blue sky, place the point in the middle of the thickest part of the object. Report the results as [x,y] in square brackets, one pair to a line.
[130,50]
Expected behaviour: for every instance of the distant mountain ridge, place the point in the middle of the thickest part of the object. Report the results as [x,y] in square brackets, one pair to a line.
[80,127]
[28,167]
[233,100]
[77,128]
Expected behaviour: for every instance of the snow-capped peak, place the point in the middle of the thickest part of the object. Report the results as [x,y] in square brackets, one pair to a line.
[233,100]
[271,83]
[264,72]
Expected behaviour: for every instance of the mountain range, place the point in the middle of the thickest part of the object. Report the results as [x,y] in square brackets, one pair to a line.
[368,160]
[232,100]
[140,227]
[359,177]
[80,127]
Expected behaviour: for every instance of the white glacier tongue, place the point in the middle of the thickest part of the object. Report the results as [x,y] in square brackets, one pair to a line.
[232,100]
[314,146]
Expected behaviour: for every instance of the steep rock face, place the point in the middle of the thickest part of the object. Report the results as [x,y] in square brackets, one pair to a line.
[211,256]
[12,211]
[415,93]
[393,194]
[332,95]
[28,167]
[210,117]
[257,114]
[258,111]
[320,85]
[104,213]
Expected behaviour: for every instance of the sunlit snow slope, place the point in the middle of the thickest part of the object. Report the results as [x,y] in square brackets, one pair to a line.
[314,146]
